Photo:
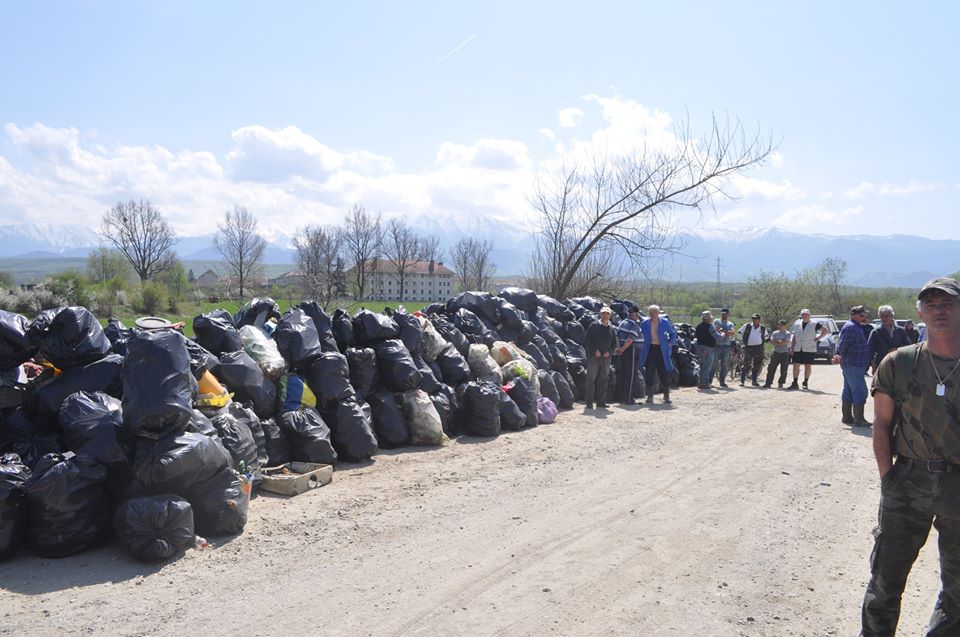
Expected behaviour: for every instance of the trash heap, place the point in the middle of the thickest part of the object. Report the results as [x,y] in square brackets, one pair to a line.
[158,440]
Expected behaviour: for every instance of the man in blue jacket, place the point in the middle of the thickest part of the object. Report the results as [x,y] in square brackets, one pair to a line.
[658,339]
[853,356]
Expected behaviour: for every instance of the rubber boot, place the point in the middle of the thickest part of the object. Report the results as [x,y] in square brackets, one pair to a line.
[649,396]
[858,419]
[847,410]
[753,380]
[666,393]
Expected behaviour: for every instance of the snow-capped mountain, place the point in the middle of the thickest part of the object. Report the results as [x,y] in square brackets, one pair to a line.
[896,260]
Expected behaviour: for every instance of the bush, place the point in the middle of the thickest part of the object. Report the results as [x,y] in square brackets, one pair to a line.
[71,286]
[30,303]
[153,298]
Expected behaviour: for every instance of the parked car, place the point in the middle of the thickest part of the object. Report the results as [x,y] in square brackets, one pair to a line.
[827,346]
[900,322]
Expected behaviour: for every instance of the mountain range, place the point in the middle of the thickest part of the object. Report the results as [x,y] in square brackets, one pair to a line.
[873,261]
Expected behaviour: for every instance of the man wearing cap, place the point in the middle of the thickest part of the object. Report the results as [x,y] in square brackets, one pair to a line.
[806,335]
[706,337]
[628,334]
[854,358]
[754,336]
[655,355]
[725,328]
[601,341]
[885,338]
[918,388]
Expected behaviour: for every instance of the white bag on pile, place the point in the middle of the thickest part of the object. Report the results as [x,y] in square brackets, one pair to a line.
[422,417]
[482,364]
[504,352]
[521,368]
[433,343]
[264,351]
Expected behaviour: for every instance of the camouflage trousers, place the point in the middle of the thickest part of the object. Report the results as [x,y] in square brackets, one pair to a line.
[911,499]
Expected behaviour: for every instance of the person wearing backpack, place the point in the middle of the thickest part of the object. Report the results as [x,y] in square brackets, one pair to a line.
[916,397]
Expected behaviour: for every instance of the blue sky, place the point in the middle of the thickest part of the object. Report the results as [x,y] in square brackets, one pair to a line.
[297,110]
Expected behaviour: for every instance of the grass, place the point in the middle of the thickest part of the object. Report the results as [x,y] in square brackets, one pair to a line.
[188,310]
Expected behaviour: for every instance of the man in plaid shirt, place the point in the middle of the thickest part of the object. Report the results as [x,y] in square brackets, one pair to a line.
[853,354]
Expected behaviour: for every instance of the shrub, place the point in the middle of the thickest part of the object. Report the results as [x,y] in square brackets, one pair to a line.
[154,298]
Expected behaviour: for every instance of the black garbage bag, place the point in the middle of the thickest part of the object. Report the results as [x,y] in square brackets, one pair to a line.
[539,358]
[351,430]
[29,437]
[513,334]
[436,370]
[434,308]
[220,504]
[342,329]
[481,304]
[257,312]
[308,435]
[175,464]
[72,337]
[277,444]
[479,414]
[329,378]
[639,384]
[428,381]
[574,332]
[13,509]
[577,309]
[576,355]
[69,508]
[297,339]
[409,330]
[512,417]
[232,424]
[554,308]
[525,396]
[548,387]
[16,347]
[469,323]
[216,333]
[451,334]
[102,375]
[453,366]
[510,317]
[445,402]
[363,370]
[578,374]
[522,298]
[371,327]
[201,360]
[388,422]
[398,371]
[558,357]
[530,330]
[244,377]
[619,309]
[611,383]
[323,323]
[118,334]
[591,303]
[690,375]
[156,527]
[586,321]
[92,423]
[200,424]
[158,386]
[564,391]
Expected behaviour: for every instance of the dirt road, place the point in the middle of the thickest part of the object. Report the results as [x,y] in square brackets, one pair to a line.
[735,512]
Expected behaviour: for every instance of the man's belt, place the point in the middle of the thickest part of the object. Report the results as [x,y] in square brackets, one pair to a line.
[933,466]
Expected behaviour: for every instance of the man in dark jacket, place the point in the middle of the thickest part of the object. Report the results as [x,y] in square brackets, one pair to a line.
[706,336]
[754,335]
[886,338]
[600,342]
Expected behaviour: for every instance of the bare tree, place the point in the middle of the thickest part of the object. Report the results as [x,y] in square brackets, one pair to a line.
[826,283]
[401,248]
[620,212]
[471,260]
[104,264]
[320,261]
[141,234]
[240,246]
[362,238]
[775,296]
[431,253]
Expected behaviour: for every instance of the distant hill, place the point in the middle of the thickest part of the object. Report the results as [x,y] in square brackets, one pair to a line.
[31,251]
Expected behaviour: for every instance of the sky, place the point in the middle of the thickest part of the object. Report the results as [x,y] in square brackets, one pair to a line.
[298,110]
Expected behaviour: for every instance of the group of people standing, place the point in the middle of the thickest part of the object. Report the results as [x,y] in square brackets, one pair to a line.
[654,335]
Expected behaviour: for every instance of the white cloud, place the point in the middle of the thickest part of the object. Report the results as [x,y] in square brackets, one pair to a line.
[888,190]
[548,134]
[814,217]
[569,117]
[776,159]
[493,154]
[743,186]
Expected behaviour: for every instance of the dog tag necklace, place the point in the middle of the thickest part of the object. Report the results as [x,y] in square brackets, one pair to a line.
[941,387]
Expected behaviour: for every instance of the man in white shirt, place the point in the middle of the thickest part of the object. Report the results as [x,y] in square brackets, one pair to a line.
[806,336]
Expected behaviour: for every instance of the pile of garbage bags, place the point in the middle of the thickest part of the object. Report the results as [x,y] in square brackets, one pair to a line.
[158,440]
